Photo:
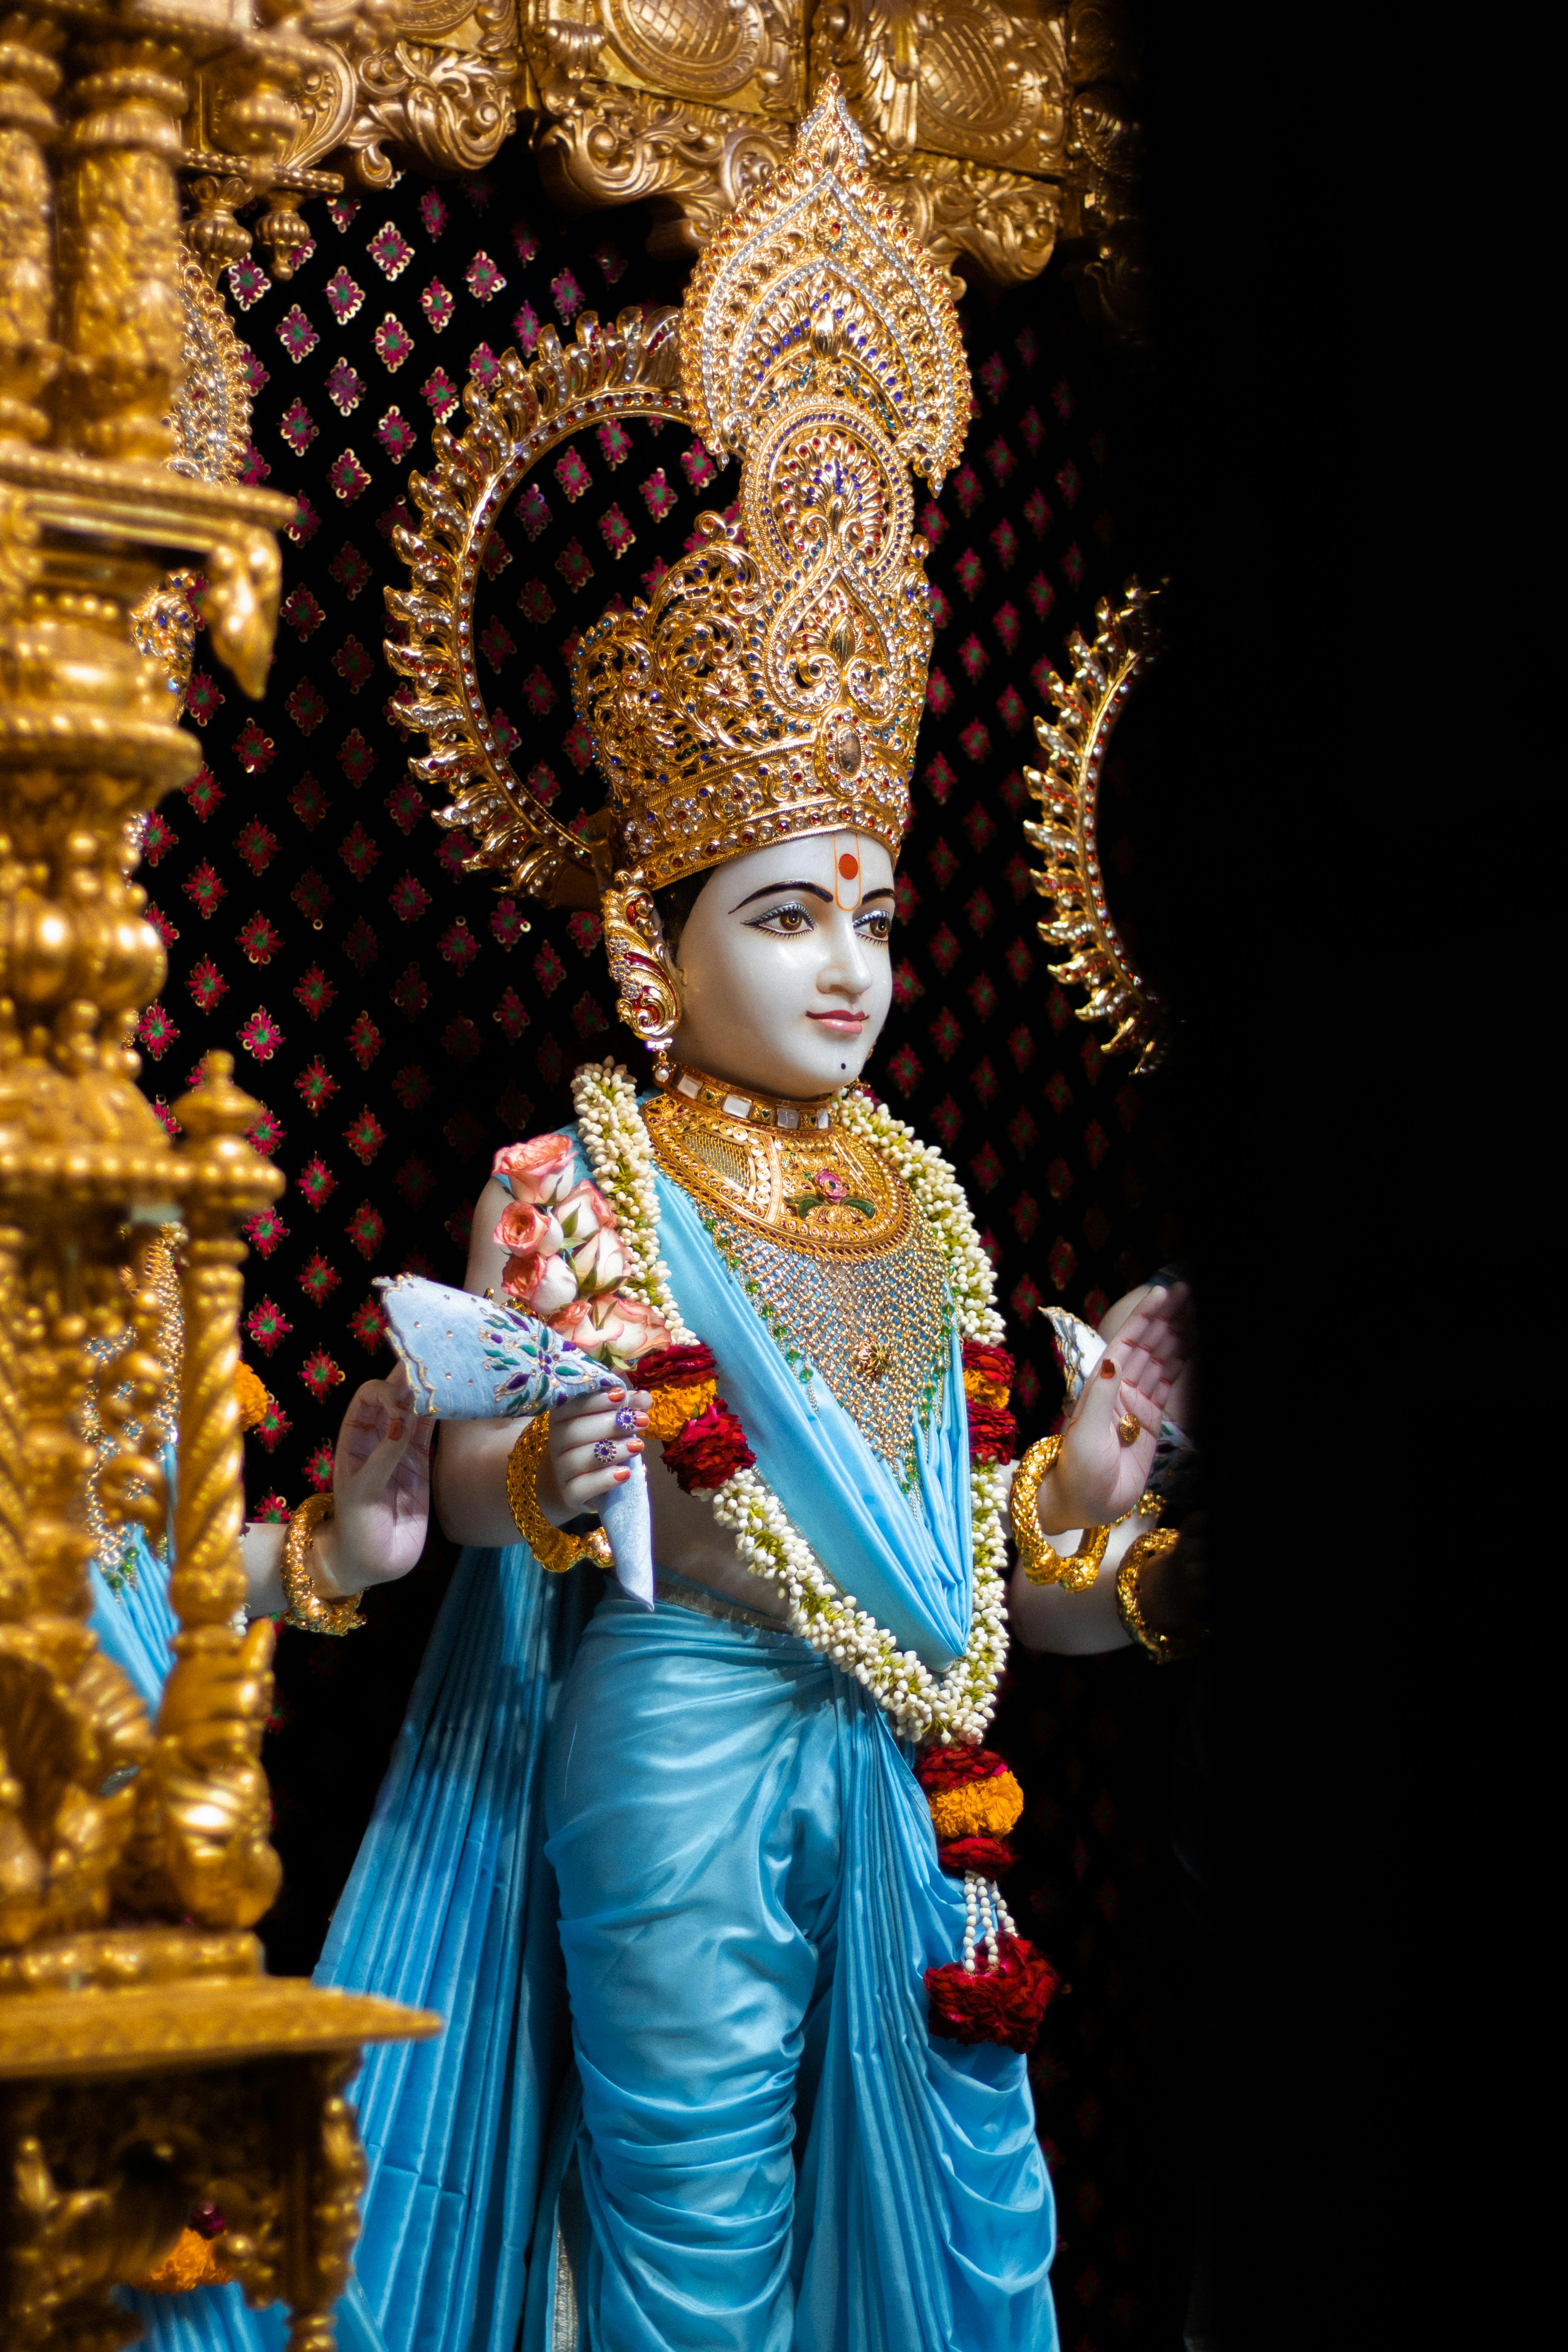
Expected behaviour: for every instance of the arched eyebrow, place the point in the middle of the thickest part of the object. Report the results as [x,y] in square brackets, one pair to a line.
[773,888]
[813,889]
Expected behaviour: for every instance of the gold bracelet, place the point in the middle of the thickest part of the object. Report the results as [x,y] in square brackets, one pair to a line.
[308,1608]
[1147,1506]
[1162,1647]
[552,1546]
[1043,1564]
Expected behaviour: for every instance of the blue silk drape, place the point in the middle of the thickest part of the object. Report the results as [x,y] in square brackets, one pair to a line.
[742,1871]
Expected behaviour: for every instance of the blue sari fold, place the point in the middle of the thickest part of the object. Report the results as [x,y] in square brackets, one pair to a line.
[743,2137]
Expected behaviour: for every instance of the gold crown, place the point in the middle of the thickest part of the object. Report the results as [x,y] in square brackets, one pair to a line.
[773,683]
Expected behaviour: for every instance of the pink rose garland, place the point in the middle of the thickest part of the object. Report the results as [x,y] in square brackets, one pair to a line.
[565,1256]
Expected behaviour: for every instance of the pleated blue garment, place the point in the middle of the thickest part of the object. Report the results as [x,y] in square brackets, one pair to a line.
[774,2155]
[744,2136]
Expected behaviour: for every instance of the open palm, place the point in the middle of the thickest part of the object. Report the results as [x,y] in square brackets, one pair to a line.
[1097,1477]
[381,1479]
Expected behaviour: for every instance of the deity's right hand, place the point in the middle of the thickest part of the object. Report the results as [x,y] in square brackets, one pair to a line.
[1103,1467]
[381,1487]
[592,1441]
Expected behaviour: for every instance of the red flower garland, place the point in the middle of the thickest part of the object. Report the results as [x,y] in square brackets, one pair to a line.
[1001,2004]
[675,1368]
[709,1449]
[993,1432]
[992,1365]
[939,1768]
[985,1855]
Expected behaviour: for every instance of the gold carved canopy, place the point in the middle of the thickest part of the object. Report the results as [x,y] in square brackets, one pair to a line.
[1006,131]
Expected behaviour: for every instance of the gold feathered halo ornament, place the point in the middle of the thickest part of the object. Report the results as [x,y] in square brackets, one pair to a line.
[773,683]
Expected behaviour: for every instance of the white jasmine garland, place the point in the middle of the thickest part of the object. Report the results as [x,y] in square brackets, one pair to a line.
[960,1705]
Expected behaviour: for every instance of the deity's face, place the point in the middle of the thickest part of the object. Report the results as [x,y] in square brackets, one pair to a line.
[783,965]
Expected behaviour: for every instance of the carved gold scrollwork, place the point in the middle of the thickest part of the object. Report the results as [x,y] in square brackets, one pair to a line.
[628,370]
[1002,129]
[433,83]
[964,114]
[692,163]
[1088,706]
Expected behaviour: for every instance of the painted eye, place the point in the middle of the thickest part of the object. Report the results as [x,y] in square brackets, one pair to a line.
[878,925]
[789,921]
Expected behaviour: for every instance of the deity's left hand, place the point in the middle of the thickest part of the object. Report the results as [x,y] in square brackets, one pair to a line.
[1097,1477]
[381,1481]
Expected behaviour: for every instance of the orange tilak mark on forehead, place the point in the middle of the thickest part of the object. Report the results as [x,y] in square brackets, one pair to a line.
[849,866]
[846,874]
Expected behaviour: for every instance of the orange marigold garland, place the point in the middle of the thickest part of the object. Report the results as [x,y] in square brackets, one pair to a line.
[974,1800]
[987,1372]
[195,2259]
[251,1396]
[681,1382]
[987,1384]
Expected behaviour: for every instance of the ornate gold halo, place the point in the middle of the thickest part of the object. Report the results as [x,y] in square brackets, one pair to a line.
[1068,790]
[631,369]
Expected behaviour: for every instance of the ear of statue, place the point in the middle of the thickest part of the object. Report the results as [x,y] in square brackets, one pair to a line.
[648,999]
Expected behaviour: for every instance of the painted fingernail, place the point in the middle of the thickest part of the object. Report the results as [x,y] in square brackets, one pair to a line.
[616,1396]
[394,1427]
[621,1476]
[1107,1370]
[636,1445]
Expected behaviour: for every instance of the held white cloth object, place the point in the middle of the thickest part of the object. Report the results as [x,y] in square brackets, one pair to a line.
[481,1359]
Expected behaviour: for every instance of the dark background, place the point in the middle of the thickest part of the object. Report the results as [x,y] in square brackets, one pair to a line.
[400,1022]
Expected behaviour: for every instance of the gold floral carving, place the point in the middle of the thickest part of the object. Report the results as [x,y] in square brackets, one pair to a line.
[1088,706]
[631,369]
[1004,130]
[115,2112]
[98,2188]
[434,83]
[30,357]
[693,163]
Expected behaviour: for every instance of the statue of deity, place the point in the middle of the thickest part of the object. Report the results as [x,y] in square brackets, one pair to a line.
[705,1879]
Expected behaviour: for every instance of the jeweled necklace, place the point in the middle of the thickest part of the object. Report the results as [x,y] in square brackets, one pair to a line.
[921,1706]
[694,1085]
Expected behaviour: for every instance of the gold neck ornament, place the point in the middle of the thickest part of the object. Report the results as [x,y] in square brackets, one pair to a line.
[817,1188]
[754,1109]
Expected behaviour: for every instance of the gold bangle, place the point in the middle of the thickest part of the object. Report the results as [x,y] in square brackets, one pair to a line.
[1162,1647]
[552,1546]
[1043,1564]
[1147,1506]
[308,1608]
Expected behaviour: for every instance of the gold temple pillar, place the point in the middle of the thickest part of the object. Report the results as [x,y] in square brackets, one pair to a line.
[148,2065]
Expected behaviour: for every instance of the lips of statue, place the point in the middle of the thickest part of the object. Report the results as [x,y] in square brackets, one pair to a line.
[784,968]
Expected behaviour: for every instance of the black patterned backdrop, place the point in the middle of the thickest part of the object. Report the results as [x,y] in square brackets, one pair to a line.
[400,1022]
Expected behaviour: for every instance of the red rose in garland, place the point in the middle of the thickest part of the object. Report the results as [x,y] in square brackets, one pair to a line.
[1004,2003]
[709,1449]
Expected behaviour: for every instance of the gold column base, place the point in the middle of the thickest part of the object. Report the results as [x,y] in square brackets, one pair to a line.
[125,2105]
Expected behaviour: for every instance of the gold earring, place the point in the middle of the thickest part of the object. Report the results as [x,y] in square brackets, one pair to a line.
[648,1002]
